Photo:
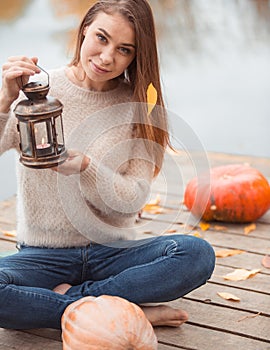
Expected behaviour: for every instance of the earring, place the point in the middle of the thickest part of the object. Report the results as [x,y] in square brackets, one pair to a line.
[126,75]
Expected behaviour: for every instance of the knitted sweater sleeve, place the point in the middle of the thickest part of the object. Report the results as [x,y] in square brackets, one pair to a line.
[9,137]
[119,186]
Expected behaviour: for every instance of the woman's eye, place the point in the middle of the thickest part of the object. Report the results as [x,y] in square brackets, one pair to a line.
[101,38]
[125,51]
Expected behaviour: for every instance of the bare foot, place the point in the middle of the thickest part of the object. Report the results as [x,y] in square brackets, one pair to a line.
[62,288]
[160,315]
[163,315]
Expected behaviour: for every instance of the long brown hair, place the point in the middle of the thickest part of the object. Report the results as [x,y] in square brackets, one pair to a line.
[143,70]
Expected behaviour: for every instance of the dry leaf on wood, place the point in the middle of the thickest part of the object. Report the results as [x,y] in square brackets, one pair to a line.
[197,234]
[228,296]
[266,261]
[241,274]
[204,226]
[148,232]
[12,233]
[248,316]
[171,231]
[153,206]
[223,253]
[249,229]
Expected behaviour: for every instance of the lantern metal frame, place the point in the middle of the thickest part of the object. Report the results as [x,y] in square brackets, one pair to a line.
[40,112]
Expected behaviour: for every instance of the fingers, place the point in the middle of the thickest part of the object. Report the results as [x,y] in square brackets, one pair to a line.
[15,73]
[74,164]
[19,65]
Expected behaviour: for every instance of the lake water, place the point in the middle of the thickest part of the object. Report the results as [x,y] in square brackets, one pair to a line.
[215,64]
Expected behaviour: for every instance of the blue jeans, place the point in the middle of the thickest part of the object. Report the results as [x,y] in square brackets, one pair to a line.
[162,269]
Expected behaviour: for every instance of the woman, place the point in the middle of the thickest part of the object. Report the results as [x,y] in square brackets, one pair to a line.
[74,244]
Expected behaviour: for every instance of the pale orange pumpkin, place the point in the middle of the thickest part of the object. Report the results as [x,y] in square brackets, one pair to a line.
[238,193]
[106,323]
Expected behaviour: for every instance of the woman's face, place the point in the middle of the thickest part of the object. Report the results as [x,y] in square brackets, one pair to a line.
[107,50]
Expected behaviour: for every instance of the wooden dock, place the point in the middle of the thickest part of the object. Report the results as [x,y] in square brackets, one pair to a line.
[214,323]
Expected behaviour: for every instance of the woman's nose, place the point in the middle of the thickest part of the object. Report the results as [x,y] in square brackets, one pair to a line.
[107,56]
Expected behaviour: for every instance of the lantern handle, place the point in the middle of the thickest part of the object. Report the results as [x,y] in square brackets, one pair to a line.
[48,77]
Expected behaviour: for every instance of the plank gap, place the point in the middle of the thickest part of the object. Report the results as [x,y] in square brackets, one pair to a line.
[176,346]
[233,307]
[228,331]
[237,287]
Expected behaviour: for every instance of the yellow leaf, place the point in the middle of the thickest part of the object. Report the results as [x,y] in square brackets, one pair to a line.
[151,98]
[249,228]
[241,274]
[223,253]
[153,206]
[197,234]
[228,296]
[12,233]
[155,201]
[204,226]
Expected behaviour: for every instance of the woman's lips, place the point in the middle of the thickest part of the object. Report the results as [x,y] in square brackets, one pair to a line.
[98,69]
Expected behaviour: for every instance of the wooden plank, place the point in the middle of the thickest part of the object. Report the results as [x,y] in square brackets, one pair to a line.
[7,248]
[162,346]
[249,300]
[226,319]
[258,283]
[56,335]
[193,337]
[8,214]
[16,340]
[175,212]
[48,333]
[217,238]
[179,168]
[243,261]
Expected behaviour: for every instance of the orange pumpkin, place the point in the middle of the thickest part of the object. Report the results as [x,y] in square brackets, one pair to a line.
[106,323]
[238,193]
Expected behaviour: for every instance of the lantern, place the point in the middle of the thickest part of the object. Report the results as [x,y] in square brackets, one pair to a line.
[40,127]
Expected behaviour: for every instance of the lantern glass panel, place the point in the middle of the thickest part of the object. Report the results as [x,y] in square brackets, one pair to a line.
[43,138]
[26,144]
[59,133]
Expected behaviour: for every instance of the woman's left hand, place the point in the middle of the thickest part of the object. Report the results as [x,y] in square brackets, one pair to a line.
[75,163]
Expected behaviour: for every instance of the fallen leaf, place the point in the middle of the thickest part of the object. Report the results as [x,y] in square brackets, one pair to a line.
[248,316]
[155,201]
[266,261]
[228,296]
[204,226]
[249,228]
[171,231]
[241,274]
[197,234]
[151,98]
[12,233]
[153,205]
[223,253]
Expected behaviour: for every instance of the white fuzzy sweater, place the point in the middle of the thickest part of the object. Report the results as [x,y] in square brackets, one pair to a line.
[100,204]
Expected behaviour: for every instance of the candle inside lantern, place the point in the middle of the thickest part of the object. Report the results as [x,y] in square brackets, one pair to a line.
[43,144]
[44,148]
